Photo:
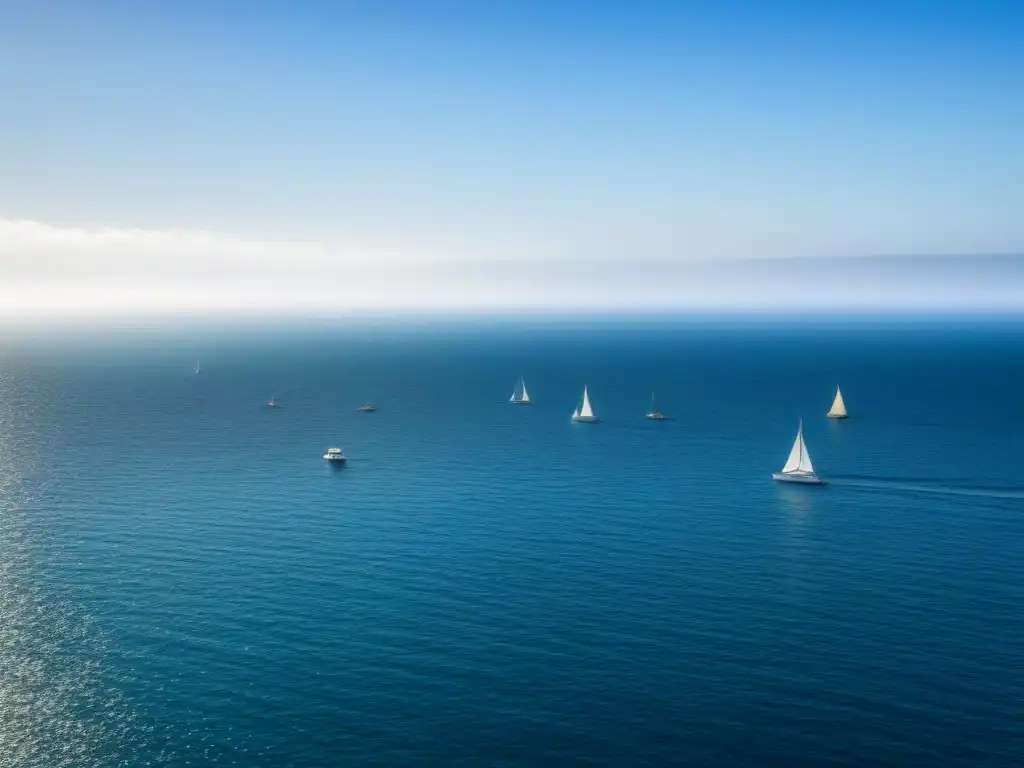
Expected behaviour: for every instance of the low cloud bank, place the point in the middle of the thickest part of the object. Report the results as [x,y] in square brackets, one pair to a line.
[48,271]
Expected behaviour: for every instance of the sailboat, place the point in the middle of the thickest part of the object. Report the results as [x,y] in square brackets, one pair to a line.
[519,394]
[196,369]
[272,403]
[583,411]
[838,409]
[798,468]
[654,414]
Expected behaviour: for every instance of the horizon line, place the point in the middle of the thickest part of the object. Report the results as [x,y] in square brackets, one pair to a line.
[172,319]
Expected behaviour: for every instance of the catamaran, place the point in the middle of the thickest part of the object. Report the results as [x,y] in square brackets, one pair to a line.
[655,414]
[838,409]
[519,394]
[798,468]
[583,411]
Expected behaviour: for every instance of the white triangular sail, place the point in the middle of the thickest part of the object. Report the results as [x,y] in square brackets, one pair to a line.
[838,409]
[805,457]
[585,410]
[799,460]
[519,394]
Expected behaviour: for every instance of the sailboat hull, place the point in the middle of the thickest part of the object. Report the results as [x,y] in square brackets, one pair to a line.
[785,477]
[585,419]
[836,415]
[519,402]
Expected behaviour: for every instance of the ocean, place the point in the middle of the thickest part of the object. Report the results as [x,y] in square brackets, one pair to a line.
[185,582]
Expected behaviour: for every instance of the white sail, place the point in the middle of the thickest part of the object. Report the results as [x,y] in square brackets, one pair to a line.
[585,410]
[519,393]
[793,462]
[799,459]
[805,457]
[838,409]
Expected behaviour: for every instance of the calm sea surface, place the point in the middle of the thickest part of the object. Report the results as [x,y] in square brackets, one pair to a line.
[183,581]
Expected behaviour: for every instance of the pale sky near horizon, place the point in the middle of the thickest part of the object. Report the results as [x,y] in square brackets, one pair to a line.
[201,156]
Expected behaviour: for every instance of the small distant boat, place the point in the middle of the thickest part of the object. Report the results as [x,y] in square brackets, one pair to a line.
[335,456]
[519,394]
[367,408]
[798,468]
[653,413]
[272,402]
[583,411]
[838,409]
[196,369]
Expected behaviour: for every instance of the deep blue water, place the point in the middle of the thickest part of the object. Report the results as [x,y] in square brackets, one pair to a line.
[184,582]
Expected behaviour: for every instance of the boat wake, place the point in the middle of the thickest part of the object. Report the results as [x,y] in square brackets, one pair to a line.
[925,486]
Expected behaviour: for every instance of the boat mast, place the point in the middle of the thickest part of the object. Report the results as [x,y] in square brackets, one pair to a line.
[800,439]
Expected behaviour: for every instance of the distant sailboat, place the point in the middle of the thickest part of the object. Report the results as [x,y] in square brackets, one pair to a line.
[519,394]
[655,414]
[838,409]
[798,468]
[196,369]
[272,403]
[583,411]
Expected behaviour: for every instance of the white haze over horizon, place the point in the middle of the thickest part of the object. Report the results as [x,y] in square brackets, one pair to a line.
[52,272]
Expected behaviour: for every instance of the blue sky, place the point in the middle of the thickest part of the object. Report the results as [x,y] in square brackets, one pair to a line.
[378,134]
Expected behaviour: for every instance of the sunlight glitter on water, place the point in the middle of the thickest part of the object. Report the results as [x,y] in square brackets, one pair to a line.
[54,708]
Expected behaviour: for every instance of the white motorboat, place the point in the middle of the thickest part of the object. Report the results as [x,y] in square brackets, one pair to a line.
[335,456]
